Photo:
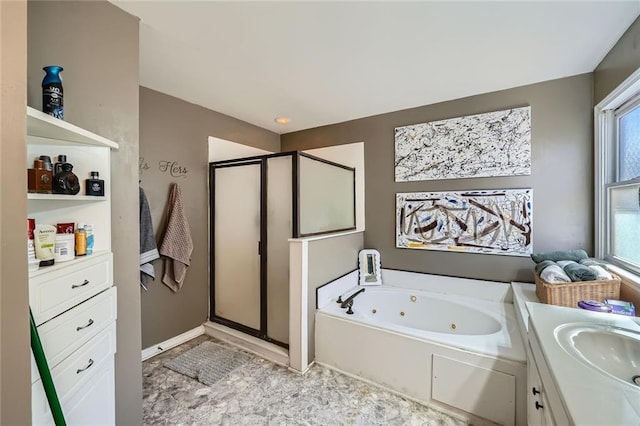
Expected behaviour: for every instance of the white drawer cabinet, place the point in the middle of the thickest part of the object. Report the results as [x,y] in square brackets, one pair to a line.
[74,303]
[67,332]
[58,290]
[83,373]
[544,406]
[538,406]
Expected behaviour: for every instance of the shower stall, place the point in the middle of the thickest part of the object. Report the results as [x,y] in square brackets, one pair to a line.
[256,205]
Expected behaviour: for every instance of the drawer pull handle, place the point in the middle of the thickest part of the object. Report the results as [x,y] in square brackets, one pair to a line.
[90,323]
[534,391]
[80,370]
[539,406]
[80,285]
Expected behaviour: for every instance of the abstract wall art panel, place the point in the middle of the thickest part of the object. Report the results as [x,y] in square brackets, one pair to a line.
[488,221]
[491,144]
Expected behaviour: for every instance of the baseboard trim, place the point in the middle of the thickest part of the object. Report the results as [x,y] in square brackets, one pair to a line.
[172,343]
[302,373]
[264,349]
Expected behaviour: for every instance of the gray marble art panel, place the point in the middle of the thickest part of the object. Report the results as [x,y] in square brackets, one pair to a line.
[491,144]
[488,222]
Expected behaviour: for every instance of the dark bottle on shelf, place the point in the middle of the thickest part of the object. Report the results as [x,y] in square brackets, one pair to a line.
[52,93]
[65,181]
[58,167]
[94,186]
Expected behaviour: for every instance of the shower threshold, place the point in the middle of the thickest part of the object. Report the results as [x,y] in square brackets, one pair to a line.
[270,351]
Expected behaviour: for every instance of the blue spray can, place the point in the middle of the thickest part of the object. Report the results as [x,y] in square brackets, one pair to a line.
[52,93]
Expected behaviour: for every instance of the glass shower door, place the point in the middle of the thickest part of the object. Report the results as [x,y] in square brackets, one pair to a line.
[257,205]
[236,251]
[279,230]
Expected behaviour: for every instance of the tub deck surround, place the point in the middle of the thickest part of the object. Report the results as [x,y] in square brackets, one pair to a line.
[466,287]
[479,326]
[432,343]
[523,293]
[326,293]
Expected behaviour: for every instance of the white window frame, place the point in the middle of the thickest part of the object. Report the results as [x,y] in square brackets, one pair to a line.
[605,158]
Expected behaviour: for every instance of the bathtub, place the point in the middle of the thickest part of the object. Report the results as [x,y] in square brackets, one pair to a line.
[432,344]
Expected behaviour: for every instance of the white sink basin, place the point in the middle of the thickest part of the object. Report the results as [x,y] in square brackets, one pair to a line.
[614,351]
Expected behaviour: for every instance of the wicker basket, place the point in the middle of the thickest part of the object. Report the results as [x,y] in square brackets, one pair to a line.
[569,294]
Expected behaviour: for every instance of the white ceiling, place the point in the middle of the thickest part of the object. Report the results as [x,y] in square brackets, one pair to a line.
[327,62]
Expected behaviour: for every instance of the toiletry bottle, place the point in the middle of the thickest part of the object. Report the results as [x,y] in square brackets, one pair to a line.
[94,186]
[65,181]
[66,228]
[33,262]
[58,167]
[52,93]
[39,178]
[90,239]
[45,241]
[47,162]
[64,250]
[81,241]
[31,227]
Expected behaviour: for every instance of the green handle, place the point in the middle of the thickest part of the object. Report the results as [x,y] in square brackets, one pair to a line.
[45,375]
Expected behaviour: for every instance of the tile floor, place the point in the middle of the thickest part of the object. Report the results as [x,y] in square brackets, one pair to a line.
[263,393]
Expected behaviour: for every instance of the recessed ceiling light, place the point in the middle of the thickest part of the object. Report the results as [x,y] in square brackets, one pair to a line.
[282,120]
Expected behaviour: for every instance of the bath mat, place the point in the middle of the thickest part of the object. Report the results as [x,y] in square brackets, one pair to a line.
[207,362]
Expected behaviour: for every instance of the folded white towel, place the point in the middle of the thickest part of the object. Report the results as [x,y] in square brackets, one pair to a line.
[601,273]
[592,261]
[564,263]
[554,274]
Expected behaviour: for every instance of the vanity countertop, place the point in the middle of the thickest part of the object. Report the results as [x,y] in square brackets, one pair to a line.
[590,396]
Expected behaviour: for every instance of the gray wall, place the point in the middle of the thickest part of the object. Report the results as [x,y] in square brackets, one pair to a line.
[562,175]
[15,368]
[174,130]
[97,44]
[621,61]
[328,259]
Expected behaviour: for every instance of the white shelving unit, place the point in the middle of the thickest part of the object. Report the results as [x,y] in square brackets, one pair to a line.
[87,152]
[59,132]
[62,197]
[74,302]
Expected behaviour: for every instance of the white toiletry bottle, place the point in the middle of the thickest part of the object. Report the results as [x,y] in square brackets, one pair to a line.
[45,242]
[88,228]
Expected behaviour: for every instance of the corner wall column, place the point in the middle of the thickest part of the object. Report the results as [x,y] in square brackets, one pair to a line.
[298,305]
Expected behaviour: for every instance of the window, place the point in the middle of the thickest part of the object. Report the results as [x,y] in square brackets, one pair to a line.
[628,126]
[618,176]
